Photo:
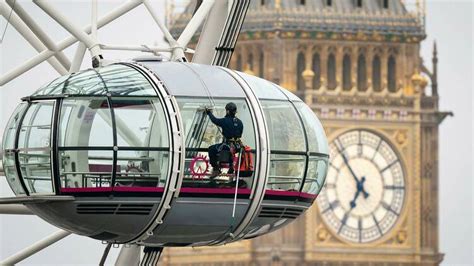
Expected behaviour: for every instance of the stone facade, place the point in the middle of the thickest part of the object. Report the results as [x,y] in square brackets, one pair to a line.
[357,64]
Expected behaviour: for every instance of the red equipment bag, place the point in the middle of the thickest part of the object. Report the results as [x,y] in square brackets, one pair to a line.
[246,162]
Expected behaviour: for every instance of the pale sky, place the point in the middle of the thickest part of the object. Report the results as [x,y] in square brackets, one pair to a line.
[449,22]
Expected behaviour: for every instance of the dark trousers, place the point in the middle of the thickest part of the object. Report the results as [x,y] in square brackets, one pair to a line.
[213,152]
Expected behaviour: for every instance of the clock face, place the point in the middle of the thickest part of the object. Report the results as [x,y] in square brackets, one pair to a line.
[365,187]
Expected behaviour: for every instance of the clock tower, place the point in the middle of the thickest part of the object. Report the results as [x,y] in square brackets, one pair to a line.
[357,64]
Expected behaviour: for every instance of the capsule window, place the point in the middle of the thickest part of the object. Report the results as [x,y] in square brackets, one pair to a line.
[201,133]
[314,130]
[143,145]
[287,145]
[317,168]
[117,80]
[34,150]
[96,132]
[9,164]
[86,122]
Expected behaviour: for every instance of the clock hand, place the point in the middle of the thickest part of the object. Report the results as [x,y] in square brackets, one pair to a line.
[350,168]
[353,203]
[361,188]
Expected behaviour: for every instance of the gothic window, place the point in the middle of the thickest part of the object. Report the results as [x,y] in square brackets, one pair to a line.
[361,73]
[239,62]
[376,74]
[328,2]
[392,74]
[346,73]
[385,4]
[261,65]
[359,3]
[250,61]
[302,2]
[332,83]
[300,66]
[317,71]
[262,2]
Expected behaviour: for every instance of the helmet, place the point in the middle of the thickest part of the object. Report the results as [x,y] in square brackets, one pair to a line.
[231,107]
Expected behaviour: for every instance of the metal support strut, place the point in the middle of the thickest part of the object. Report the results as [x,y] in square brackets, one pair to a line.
[33,249]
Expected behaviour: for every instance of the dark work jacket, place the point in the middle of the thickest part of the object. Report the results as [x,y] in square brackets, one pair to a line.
[232,127]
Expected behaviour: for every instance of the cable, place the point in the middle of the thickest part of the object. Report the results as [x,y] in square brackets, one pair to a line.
[8,22]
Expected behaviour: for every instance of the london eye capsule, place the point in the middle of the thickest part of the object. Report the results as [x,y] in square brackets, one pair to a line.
[120,154]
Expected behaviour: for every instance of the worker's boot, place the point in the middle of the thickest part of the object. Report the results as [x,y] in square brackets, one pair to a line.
[215,172]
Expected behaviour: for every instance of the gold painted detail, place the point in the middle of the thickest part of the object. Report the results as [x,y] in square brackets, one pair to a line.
[401,137]
[323,235]
[402,236]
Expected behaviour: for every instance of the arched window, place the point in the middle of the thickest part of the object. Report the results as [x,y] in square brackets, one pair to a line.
[250,61]
[392,74]
[262,2]
[376,74]
[361,73]
[300,66]
[346,73]
[359,3]
[238,64]
[332,83]
[317,71]
[385,4]
[328,2]
[303,2]
[261,65]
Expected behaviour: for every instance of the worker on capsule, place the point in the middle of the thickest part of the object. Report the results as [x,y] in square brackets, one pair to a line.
[232,129]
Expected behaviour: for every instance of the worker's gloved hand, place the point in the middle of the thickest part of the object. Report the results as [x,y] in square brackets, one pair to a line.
[208,110]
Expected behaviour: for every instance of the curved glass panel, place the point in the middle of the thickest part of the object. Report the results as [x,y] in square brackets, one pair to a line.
[54,87]
[85,123]
[144,163]
[9,166]
[262,88]
[288,94]
[316,175]
[286,172]
[285,130]
[34,150]
[287,146]
[317,141]
[92,137]
[117,79]
[186,79]
[201,133]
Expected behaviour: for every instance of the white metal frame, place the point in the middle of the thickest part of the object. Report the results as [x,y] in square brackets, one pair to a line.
[87,36]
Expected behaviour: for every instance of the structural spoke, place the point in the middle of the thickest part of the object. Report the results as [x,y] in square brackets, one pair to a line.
[33,249]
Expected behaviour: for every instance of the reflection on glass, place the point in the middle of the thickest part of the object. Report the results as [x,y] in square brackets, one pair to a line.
[116,79]
[85,122]
[200,133]
[141,168]
[317,168]
[86,169]
[10,172]
[140,122]
[35,168]
[286,172]
[314,130]
[285,129]
[34,148]
[9,165]
[10,130]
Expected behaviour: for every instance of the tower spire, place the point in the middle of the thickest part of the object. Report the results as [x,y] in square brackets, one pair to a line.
[434,84]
